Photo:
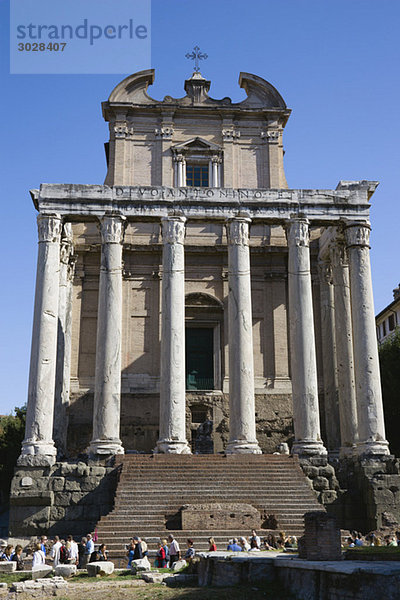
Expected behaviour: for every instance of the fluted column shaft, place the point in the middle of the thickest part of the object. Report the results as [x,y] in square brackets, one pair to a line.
[302,343]
[38,446]
[344,348]
[371,428]
[331,408]
[63,367]
[242,424]
[107,391]
[173,385]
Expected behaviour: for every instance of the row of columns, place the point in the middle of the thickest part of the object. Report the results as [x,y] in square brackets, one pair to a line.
[354,409]
[361,414]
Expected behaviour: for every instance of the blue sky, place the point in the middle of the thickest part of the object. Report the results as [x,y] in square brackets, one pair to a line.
[336,64]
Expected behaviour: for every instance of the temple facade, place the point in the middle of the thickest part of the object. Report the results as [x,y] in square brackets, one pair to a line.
[194,303]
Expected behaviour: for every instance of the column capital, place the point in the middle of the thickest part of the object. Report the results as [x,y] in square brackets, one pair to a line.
[357,234]
[179,158]
[238,230]
[49,228]
[112,229]
[173,229]
[297,232]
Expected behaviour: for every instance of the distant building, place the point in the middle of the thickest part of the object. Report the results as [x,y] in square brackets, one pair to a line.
[388,320]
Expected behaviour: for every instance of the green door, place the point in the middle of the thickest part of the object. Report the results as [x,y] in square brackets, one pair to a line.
[199,358]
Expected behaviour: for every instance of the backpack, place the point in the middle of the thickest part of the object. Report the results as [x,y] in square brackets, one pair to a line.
[63,555]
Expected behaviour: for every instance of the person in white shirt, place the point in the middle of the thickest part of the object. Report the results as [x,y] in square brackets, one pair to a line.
[89,546]
[38,557]
[73,552]
[55,551]
[174,551]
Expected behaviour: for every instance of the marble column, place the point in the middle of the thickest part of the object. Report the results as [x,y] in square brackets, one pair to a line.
[38,446]
[172,438]
[371,428]
[242,420]
[63,365]
[344,348]
[181,170]
[107,391]
[215,161]
[302,343]
[331,406]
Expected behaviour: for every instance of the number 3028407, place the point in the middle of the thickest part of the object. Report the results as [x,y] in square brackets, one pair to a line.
[41,47]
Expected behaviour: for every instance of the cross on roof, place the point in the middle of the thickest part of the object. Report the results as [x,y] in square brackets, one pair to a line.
[196,55]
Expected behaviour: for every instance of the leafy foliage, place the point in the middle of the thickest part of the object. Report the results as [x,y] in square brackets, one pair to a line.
[389,356]
[12,428]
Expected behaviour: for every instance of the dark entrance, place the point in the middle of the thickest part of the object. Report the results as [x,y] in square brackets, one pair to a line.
[199,358]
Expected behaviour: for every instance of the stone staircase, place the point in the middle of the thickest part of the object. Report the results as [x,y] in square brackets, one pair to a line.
[153,488]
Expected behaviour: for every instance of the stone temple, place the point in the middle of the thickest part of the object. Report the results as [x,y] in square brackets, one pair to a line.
[195,305]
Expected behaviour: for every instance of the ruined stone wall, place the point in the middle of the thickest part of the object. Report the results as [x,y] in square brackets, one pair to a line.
[67,498]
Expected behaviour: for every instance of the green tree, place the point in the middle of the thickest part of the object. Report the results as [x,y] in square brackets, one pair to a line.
[12,429]
[389,356]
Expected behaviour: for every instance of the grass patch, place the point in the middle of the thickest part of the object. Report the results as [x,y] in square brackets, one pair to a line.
[14,577]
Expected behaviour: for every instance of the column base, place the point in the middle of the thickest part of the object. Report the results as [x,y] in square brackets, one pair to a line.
[348,451]
[37,453]
[105,447]
[372,448]
[309,448]
[242,447]
[172,447]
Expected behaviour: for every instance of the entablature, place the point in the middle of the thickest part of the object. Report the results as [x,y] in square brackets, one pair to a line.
[324,207]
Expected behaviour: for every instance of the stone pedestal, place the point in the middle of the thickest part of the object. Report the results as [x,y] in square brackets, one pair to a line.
[172,385]
[242,423]
[107,393]
[302,343]
[344,349]
[371,428]
[38,446]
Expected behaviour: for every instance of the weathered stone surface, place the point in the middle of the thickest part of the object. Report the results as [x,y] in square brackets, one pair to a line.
[181,578]
[220,516]
[101,567]
[179,564]
[8,566]
[39,587]
[57,484]
[154,577]
[41,571]
[72,486]
[65,571]
[310,471]
[26,481]
[141,564]
[320,483]
[304,365]
[172,437]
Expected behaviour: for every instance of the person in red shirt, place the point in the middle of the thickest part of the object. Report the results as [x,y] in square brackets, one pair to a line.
[213,547]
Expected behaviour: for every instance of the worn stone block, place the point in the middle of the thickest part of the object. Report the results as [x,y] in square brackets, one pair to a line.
[82,470]
[141,564]
[41,571]
[8,566]
[320,483]
[220,516]
[72,486]
[104,567]
[65,571]
[57,483]
[62,498]
[179,564]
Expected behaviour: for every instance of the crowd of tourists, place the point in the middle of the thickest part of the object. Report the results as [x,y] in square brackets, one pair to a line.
[60,551]
[68,551]
[356,539]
